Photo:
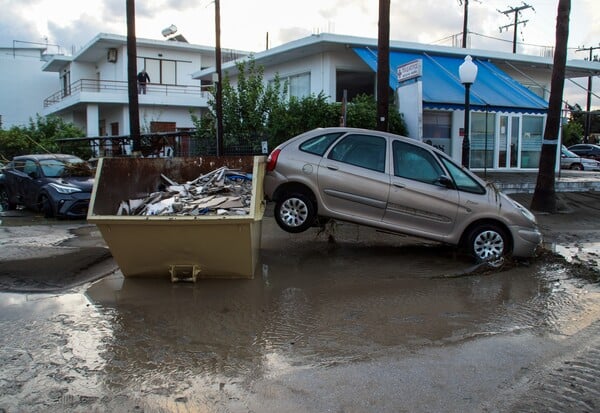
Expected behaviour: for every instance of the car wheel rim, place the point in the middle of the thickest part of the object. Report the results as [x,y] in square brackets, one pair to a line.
[293,212]
[488,246]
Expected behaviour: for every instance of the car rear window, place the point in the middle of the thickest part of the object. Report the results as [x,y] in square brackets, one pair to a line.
[319,144]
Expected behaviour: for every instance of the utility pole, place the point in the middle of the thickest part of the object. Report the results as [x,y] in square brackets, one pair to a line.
[517,12]
[588,115]
[219,97]
[134,112]
[465,23]
[383,66]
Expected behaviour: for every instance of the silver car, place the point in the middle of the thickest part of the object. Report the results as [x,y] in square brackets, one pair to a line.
[570,160]
[395,184]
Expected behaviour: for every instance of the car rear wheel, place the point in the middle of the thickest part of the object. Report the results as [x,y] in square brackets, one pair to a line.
[488,243]
[5,203]
[46,207]
[295,212]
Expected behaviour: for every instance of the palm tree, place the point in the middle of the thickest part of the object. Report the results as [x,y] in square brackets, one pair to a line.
[544,197]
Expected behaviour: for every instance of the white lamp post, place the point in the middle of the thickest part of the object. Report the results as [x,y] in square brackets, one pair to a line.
[467,73]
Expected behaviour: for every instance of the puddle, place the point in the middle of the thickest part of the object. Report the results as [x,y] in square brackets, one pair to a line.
[148,344]
[579,252]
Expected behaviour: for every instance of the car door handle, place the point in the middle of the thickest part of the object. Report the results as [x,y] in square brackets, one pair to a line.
[332,167]
[401,186]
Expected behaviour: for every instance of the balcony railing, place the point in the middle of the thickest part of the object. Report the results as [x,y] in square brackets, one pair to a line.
[115,86]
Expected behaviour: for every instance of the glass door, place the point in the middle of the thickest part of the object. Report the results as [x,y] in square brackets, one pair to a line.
[508,148]
[503,157]
[515,128]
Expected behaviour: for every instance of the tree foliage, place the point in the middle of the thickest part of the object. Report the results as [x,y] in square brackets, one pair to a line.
[579,117]
[572,133]
[40,137]
[254,110]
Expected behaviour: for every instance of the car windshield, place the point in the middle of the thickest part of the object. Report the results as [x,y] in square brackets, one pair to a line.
[568,153]
[54,168]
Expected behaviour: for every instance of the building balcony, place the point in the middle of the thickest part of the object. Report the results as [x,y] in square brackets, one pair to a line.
[112,91]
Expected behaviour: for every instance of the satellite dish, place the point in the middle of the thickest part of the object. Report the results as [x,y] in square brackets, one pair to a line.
[172,29]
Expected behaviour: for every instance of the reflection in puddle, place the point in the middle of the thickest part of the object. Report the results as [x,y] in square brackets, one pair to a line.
[128,343]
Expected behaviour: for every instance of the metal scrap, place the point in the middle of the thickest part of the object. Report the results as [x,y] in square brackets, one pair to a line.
[222,191]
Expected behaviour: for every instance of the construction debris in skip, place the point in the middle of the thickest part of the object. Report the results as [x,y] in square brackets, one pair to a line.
[223,191]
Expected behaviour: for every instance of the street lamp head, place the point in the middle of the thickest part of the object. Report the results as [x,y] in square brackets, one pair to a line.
[467,71]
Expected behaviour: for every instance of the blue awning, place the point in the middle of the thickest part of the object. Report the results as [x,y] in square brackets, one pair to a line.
[493,89]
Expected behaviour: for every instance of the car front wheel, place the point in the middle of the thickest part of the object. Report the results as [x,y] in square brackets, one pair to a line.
[295,212]
[488,243]
[5,203]
[46,207]
[576,167]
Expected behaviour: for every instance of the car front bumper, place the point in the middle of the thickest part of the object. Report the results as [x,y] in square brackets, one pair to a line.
[526,241]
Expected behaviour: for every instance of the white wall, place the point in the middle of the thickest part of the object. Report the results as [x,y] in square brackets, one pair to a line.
[163,114]
[23,86]
[322,68]
[410,102]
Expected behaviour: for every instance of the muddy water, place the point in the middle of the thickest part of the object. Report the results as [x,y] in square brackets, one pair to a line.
[323,326]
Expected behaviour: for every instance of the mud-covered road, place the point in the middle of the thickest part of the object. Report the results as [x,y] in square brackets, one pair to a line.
[370,322]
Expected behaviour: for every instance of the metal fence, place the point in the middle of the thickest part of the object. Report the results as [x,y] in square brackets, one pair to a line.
[157,145]
[116,86]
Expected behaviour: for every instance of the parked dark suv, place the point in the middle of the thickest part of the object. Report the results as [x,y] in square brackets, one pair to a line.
[57,185]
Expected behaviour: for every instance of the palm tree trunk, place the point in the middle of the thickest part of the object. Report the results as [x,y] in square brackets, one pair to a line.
[544,197]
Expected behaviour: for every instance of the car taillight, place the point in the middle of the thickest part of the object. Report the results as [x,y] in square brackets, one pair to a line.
[272,160]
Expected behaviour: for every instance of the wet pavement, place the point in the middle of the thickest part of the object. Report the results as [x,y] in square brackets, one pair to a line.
[368,322]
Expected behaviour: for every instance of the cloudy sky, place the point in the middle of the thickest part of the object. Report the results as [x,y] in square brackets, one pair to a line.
[246,23]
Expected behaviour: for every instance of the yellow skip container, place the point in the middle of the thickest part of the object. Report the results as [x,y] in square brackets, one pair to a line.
[179,247]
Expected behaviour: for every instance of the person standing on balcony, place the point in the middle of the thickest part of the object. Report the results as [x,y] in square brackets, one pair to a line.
[142,78]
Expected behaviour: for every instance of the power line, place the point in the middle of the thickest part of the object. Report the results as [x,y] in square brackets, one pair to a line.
[588,120]
[517,12]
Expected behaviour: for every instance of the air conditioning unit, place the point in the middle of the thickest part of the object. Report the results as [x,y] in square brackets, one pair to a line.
[112,55]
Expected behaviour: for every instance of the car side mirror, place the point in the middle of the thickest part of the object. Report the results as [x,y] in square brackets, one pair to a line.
[32,174]
[444,180]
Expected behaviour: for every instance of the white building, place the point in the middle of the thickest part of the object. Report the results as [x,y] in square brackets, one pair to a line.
[22,83]
[508,98]
[92,88]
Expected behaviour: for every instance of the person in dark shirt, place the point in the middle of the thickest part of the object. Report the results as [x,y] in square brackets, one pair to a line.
[142,78]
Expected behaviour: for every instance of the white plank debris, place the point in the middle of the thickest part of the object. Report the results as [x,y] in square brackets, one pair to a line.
[223,191]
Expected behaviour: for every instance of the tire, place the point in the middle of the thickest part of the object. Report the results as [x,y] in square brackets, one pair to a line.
[488,243]
[5,203]
[576,167]
[46,207]
[295,212]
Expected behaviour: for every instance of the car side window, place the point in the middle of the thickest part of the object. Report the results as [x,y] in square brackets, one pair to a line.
[319,144]
[16,165]
[29,167]
[414,162]
[365,151]
[461,179]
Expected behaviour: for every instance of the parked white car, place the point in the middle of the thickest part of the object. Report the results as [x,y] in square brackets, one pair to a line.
[570,160]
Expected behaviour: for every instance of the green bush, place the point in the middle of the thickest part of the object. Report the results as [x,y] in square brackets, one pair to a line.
[40,137]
